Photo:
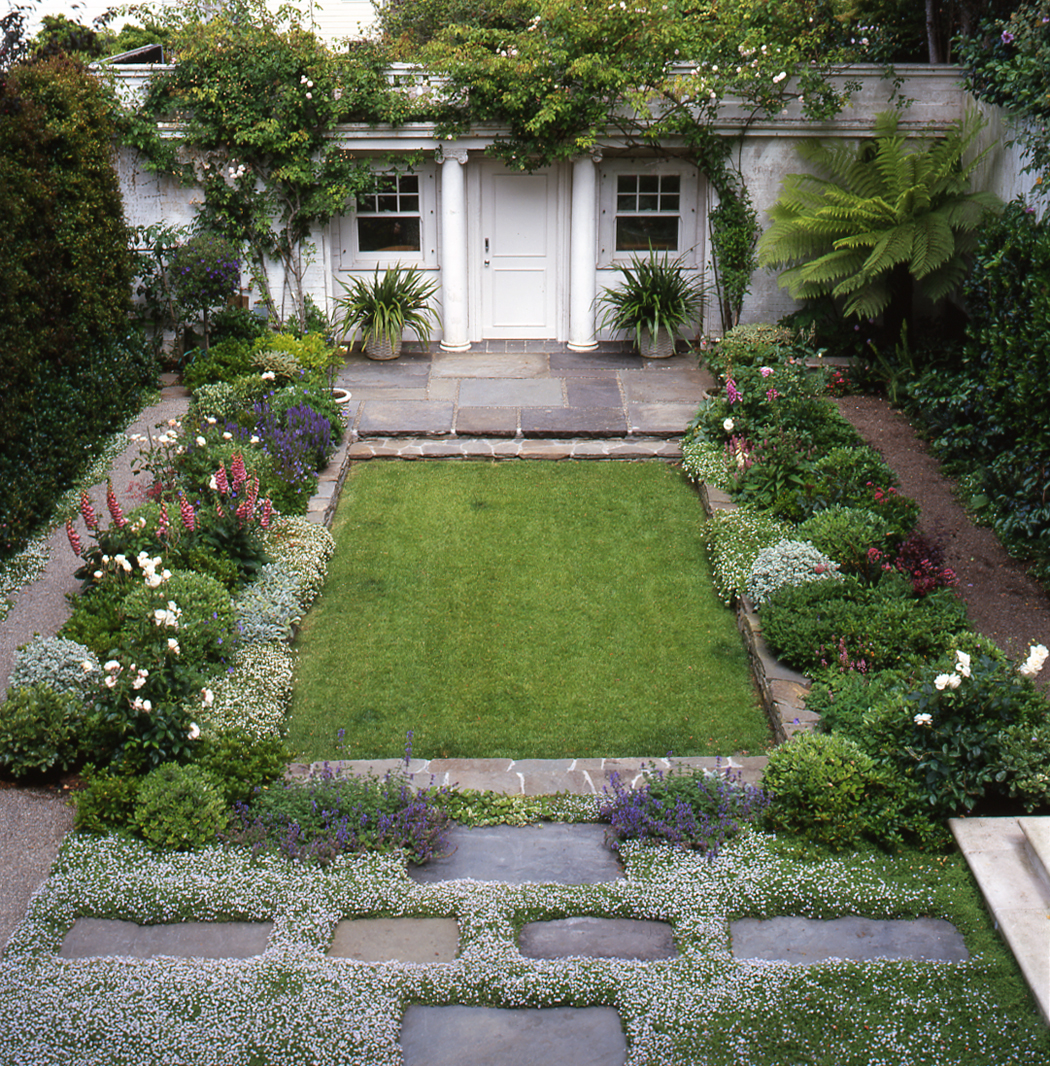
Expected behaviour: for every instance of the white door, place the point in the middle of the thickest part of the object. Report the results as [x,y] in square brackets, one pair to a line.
[517,240]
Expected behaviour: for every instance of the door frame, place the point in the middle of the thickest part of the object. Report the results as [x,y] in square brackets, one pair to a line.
[559,191]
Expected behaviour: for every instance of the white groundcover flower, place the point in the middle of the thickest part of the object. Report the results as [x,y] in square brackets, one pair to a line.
[923,719]
[944,681]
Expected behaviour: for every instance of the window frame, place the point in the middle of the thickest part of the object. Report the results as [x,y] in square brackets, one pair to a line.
[350,254]
[690,243]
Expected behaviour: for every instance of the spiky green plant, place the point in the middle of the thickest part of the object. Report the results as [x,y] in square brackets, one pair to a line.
[657,293]
[383,307]
[890,215]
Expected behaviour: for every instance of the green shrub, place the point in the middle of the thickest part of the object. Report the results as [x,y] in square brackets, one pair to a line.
[179,808]
[69,369]
[219,400]
[96,618]
[883,624]
[788,562]
[60,664]
[1025,759]
[225,361]
[949,736]
[747,345]
[39,731]
[826,789]
[106,804]
[733,540]
[242,763]
[205,628]
[847,534]
[283,366]
[311,351]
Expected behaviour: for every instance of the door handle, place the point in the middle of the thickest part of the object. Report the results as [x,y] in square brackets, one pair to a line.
[486,251]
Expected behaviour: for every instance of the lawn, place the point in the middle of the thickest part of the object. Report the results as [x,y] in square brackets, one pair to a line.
[525,610]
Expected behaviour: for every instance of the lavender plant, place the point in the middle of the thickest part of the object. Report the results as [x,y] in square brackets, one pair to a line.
[319,819]
[685,808]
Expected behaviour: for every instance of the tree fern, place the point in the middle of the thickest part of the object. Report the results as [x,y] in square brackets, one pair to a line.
[878,218]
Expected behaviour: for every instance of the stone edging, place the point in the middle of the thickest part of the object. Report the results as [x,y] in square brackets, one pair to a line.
[782,690]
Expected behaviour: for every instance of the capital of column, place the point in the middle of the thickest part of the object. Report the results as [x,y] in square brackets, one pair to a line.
[446,153]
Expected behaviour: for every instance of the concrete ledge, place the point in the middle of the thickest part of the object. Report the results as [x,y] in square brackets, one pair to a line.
[998,856]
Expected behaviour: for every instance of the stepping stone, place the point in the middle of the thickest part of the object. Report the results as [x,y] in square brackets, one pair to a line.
[396,940]
[808,940]
[489,1036]
[547,852]
[94,937]
[598,938]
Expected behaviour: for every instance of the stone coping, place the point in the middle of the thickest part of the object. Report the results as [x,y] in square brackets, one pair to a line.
[531,777]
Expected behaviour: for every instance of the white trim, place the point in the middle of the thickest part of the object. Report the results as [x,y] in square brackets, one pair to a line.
[349,257]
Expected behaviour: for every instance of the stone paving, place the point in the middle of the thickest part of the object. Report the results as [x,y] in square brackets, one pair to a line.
[500,390]
[556,854]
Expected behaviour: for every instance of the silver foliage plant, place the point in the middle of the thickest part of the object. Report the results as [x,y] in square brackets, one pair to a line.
[788,562]
[269,607]
[63,665]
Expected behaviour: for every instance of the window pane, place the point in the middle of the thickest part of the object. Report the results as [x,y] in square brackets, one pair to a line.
[669,202]
[671,183]
[627,183]
[387,203]
[627,202]
[409,183]
[409,204]
[648,203]
[648,183]
[639,233]
[388,234]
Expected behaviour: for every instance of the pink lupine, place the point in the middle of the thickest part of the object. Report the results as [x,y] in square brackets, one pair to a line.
[244,512]
[87,512]
[220,480]
[74,538]
[115,510]
[240,475]
[253,494]
[189,517]
[164,523]
[267,514]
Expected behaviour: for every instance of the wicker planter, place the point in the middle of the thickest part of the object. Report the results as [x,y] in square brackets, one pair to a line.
[659,347]
[377,348]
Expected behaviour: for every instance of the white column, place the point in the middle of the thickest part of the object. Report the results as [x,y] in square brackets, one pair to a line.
[583,252]
[455,337]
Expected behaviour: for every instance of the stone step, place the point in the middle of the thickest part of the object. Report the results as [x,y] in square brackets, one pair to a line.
[1037,841]
[998,855]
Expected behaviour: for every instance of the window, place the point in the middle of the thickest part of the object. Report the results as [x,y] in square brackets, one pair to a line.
[393,221]
[648,212]
[650,202]
[388,219]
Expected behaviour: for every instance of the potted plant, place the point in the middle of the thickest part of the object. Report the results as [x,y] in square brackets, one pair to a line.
[384,307]
[657,298]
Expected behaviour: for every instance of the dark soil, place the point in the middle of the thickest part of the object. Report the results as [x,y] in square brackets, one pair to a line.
[1004,603]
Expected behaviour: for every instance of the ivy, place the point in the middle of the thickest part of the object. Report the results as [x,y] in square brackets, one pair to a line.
[251,102]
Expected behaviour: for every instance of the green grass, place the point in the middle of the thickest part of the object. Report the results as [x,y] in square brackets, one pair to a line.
[524,610]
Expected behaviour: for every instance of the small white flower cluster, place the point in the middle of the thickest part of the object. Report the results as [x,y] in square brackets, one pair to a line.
[149,566]
[954,679]
[167,617]
[705,462]
[734,540]
[1037,656]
